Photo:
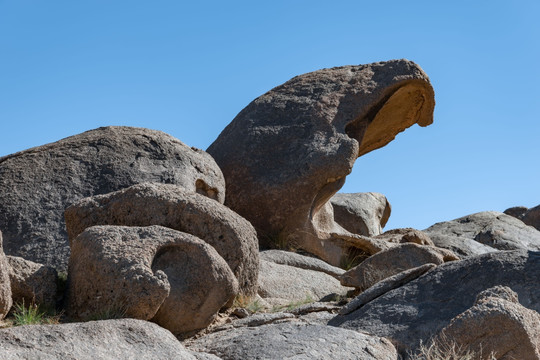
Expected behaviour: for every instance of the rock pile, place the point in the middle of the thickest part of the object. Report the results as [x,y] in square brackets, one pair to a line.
[146,230]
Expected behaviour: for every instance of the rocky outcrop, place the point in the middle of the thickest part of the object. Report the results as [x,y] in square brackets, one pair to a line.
[288,152]
[300,261]
[39,183]
[528,216]
[109,339]
[497,326]
[294,340]
[393,261]
[283,284]
[418,310]
[5,286]
[32,283]
[405,235]
[361,213]
[484,232]
[174,207]
[157,273]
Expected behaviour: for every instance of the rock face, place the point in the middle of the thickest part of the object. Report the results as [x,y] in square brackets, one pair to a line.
[406,235]
[5,286]
[288,152]
[300,261]
[32,282]
[174,207]
[361,213]
[152,272]
[470,235]
[391,262]
[39,183]
[528,216]
[109,339]
[295,341]
[497,324]
[419,309]
[291,284]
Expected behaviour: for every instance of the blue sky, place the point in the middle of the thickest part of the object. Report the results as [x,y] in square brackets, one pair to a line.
[187,68]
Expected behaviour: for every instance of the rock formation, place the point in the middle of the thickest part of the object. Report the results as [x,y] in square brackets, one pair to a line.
[288,152]
[361,213]
[39,183]
[528,216]
[5,285]
[174,207]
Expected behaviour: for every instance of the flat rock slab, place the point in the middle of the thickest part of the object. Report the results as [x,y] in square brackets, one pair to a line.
[490,228]
[108,339]
[40,183]
[294,341]
[300,261]
[419,309]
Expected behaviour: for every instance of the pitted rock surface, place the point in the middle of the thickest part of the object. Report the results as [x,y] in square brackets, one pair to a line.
[40,183]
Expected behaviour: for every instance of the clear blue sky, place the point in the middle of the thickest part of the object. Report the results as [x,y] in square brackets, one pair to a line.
[187,68]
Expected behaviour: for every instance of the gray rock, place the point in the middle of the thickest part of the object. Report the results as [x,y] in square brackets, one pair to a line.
[173,278]
[288,152]
[419,309]
[174,207]
[39,183]
[497,325]
[32,282]
[5,285]
[257,320]
[294,341]
[391,262]
[461,246]
[532,217]
[405,235]
[361,213]
[109,339]
[490,228]
[293,284]
[300,261]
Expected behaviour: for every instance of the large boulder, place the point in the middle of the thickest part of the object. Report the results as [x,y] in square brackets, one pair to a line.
[361,213]
[294,340]
[39,183]
[497,326]
[484,232]
[418,310]
[153,272]
[288,152]
[528,216]
[109,339]
[5,285]
[177,208]
[32,283]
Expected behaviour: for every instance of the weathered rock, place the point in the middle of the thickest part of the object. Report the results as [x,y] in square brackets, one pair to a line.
[5,286]
[419,309]
[39,183]
[391,262]
[361,213]
[461,246]
[32,283]
[405,235]
[300,261]
[109,339]
[532,217]
[516,211]
[294,341]
[490,228]
[293,284]
[174,207]
[288,152]
[498,327]
[153,272]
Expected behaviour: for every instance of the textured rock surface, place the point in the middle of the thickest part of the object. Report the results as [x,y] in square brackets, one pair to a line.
[532,217]
[39,183]
[288,152]
[300,261]
[294,341]
[489,228]
[417,310]
[361,213]
[152,272]
[174,207]
[497,324]
[32,282]
[391,262]
[292,284]
[109,339]
[405,235]
[5,286]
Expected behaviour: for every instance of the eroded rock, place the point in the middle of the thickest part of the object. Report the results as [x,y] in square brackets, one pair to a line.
[300,261]
[5,285]
[361,213]
[405,235]
[38,184]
